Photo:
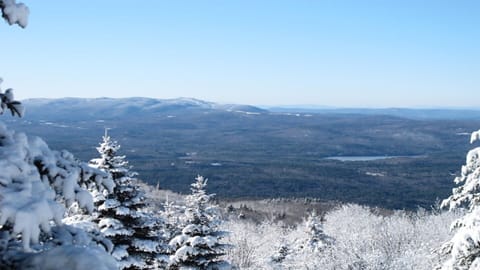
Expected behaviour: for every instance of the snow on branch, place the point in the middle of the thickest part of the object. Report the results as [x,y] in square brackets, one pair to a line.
[7,102]
[72,257]
[475,136]
[463,249]
[35,181]
[14,13]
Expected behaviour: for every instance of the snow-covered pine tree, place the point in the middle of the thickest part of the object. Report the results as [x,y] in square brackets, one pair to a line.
[36,184]
[121,218]
[109,162]
[199,245]
[172,216]
[281,253]
[172,224]
[318,240]
[463,250]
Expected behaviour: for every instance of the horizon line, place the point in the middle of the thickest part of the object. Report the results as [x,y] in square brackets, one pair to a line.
[281,106]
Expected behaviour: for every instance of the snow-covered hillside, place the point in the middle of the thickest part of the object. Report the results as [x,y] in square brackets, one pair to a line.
[104,108]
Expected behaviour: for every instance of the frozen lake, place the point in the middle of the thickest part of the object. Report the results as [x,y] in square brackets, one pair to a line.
[367,158]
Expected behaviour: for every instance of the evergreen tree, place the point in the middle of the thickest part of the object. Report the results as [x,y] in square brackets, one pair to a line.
[36,184]
[172,216]
[281,253]
[318,240]
[199,246]
[463,250]
[121,217]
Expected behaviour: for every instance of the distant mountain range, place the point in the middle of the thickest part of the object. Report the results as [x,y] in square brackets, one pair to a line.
[108,108]
[413,113]
[75,108]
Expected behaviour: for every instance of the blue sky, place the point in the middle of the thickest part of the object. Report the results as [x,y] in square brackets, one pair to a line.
[336,53]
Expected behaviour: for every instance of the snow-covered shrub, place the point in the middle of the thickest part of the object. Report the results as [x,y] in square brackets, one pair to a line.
[400,240]
[255,246]
[463,250]
[199,245]
[242,237]
[363,239]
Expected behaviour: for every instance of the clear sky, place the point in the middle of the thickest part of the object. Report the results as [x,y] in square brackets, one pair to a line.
[388,53]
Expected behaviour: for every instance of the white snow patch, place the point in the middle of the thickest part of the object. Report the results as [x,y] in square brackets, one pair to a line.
[377,174]
[248,113]
[120,252]
[475,136]
[146,245]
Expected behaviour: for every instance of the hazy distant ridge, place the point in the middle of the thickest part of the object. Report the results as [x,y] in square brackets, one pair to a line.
[414,113]
[119,107]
